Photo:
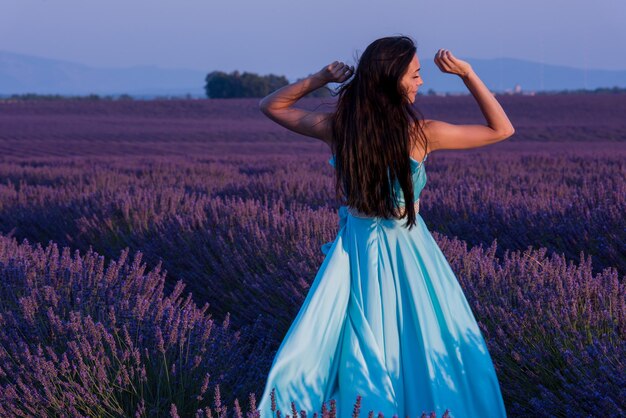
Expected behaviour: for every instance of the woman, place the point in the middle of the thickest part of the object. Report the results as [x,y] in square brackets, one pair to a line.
[385,317]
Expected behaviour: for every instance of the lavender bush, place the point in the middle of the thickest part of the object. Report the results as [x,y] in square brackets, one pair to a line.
[80,339]
[556,331]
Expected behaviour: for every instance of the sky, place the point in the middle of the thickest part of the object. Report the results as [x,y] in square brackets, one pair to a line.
[297,38]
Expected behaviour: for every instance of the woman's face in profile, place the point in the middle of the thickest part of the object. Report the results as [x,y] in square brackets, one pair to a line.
[412,79]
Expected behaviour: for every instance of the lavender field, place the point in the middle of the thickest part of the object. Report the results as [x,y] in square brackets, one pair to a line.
[119,220]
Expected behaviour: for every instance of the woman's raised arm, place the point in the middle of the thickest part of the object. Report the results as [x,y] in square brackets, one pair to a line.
[278,106]
[443,135]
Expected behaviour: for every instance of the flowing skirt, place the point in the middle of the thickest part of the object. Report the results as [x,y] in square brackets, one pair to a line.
[384,318]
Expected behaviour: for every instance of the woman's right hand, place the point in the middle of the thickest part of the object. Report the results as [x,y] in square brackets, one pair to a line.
[336,72]
[448,63]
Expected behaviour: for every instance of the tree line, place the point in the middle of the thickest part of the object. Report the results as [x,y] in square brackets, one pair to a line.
[222,85]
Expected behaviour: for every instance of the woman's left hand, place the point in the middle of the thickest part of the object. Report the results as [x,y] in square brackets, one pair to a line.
[337,72]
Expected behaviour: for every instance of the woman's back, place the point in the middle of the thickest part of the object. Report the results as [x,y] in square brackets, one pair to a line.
[418,176]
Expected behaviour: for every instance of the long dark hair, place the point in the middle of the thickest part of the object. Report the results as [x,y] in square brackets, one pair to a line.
[371,131]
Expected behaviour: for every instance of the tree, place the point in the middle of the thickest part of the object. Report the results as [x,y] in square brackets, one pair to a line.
[222,85]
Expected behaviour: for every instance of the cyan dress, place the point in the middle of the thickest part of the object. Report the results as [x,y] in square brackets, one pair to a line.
[386,318]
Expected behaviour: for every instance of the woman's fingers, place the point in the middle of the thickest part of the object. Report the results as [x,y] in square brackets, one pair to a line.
[448,63]
[439,56]
[340,71]
[344,68]
[439,61]
[345,73]
[444,60]
[451,57]
[445,55]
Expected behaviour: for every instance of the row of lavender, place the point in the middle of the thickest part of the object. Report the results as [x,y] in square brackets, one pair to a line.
[238,229]
[192,127]
[539,111]
[85,337]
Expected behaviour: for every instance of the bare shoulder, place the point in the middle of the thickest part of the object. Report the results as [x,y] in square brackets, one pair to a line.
[431,127]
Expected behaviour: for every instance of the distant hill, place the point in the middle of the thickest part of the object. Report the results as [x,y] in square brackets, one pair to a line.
[20,74]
